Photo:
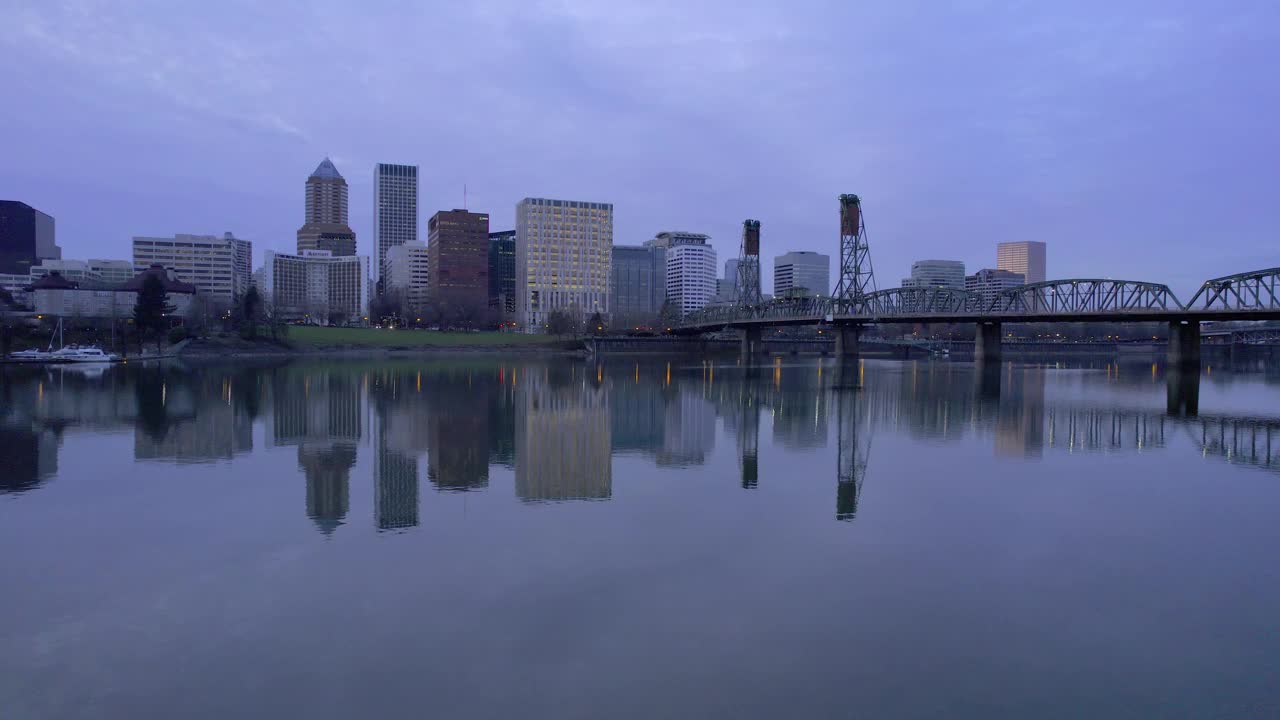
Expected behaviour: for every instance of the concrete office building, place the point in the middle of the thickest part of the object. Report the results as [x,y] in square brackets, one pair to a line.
[73,270]
[1026,257]
[316,287]
[218,266]
[802,272]
[26,238]
[638,281]
[988,283]
[458,246]
[502,271]
[122,271]
[395,211]
[326,226]
[407,274]
[936,274]
[563,255]
[691,265]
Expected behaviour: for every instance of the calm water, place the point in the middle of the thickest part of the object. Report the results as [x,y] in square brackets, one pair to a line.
[474,538]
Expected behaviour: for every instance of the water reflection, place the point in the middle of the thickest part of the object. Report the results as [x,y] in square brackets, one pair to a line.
[557,426]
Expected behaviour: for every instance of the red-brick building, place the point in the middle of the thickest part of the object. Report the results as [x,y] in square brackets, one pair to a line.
[458,260]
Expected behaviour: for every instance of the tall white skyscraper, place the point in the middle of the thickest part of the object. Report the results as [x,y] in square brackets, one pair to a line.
[1026,257]
[395,212]
[691,269]
[802,270]
[564,251]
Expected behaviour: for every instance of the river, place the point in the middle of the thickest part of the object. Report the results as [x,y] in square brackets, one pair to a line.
[480,537]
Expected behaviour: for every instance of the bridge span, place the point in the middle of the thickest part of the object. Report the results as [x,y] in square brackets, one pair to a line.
[1252,296]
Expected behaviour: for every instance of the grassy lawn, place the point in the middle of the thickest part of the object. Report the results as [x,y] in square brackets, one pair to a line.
[374,337]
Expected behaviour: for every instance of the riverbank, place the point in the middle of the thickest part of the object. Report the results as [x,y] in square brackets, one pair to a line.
[366,342]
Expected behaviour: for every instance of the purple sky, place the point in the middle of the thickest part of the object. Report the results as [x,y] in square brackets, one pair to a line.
[1139,139]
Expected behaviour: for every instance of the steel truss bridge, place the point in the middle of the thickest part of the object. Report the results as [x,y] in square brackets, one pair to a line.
[1245,296]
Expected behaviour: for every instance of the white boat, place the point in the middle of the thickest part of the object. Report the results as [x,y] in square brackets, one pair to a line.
[31,356]
[82,354]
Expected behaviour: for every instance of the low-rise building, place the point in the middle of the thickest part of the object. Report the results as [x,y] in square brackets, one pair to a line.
[58,296]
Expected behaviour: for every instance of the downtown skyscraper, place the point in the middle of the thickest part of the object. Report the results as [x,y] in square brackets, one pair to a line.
[327,226]
[395,213]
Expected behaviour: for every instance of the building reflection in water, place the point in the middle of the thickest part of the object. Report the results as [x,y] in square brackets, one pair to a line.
[562,436]
[558,424]
[327,467]
[321,412]
[30,457]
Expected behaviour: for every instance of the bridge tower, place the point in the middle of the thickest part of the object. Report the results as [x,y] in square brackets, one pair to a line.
[748,288]
[856,276]
[851,454]
[749,431]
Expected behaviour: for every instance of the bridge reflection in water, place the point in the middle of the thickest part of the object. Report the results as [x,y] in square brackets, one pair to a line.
[557,427]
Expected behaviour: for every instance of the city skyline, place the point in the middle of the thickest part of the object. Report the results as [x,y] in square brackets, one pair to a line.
[1062,129]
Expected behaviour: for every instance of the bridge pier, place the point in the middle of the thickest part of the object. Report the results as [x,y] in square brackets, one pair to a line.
[751,345]
[986,343]
[1184,344]
[847,341]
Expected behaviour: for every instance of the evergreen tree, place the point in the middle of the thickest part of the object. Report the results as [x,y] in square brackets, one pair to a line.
[150,314]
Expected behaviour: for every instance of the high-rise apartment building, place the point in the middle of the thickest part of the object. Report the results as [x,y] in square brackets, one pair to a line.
[407,274]
[26,238]
[638,283]
[563,253]
[316,286]
[988,283]
[502,271]
[936,274]
[802,272]
[326,226]
[395,211]
[1026,257]
[458,245]
[218,266]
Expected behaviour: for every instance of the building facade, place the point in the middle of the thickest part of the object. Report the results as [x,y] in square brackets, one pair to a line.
[395,211]
[407,274]
[218,266]
[502,271]
[26,238]
[458,244]
[691,274]
[316,287]
[73,270]
[988,282]
[121,271]
[638,283]
[1026,257]
[936,274]
[563,254]
[802,272]
[326,226]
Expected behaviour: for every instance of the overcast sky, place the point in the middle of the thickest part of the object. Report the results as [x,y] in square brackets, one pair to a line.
[1139,139]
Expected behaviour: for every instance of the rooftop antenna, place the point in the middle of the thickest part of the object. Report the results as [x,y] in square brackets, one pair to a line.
[464,196]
